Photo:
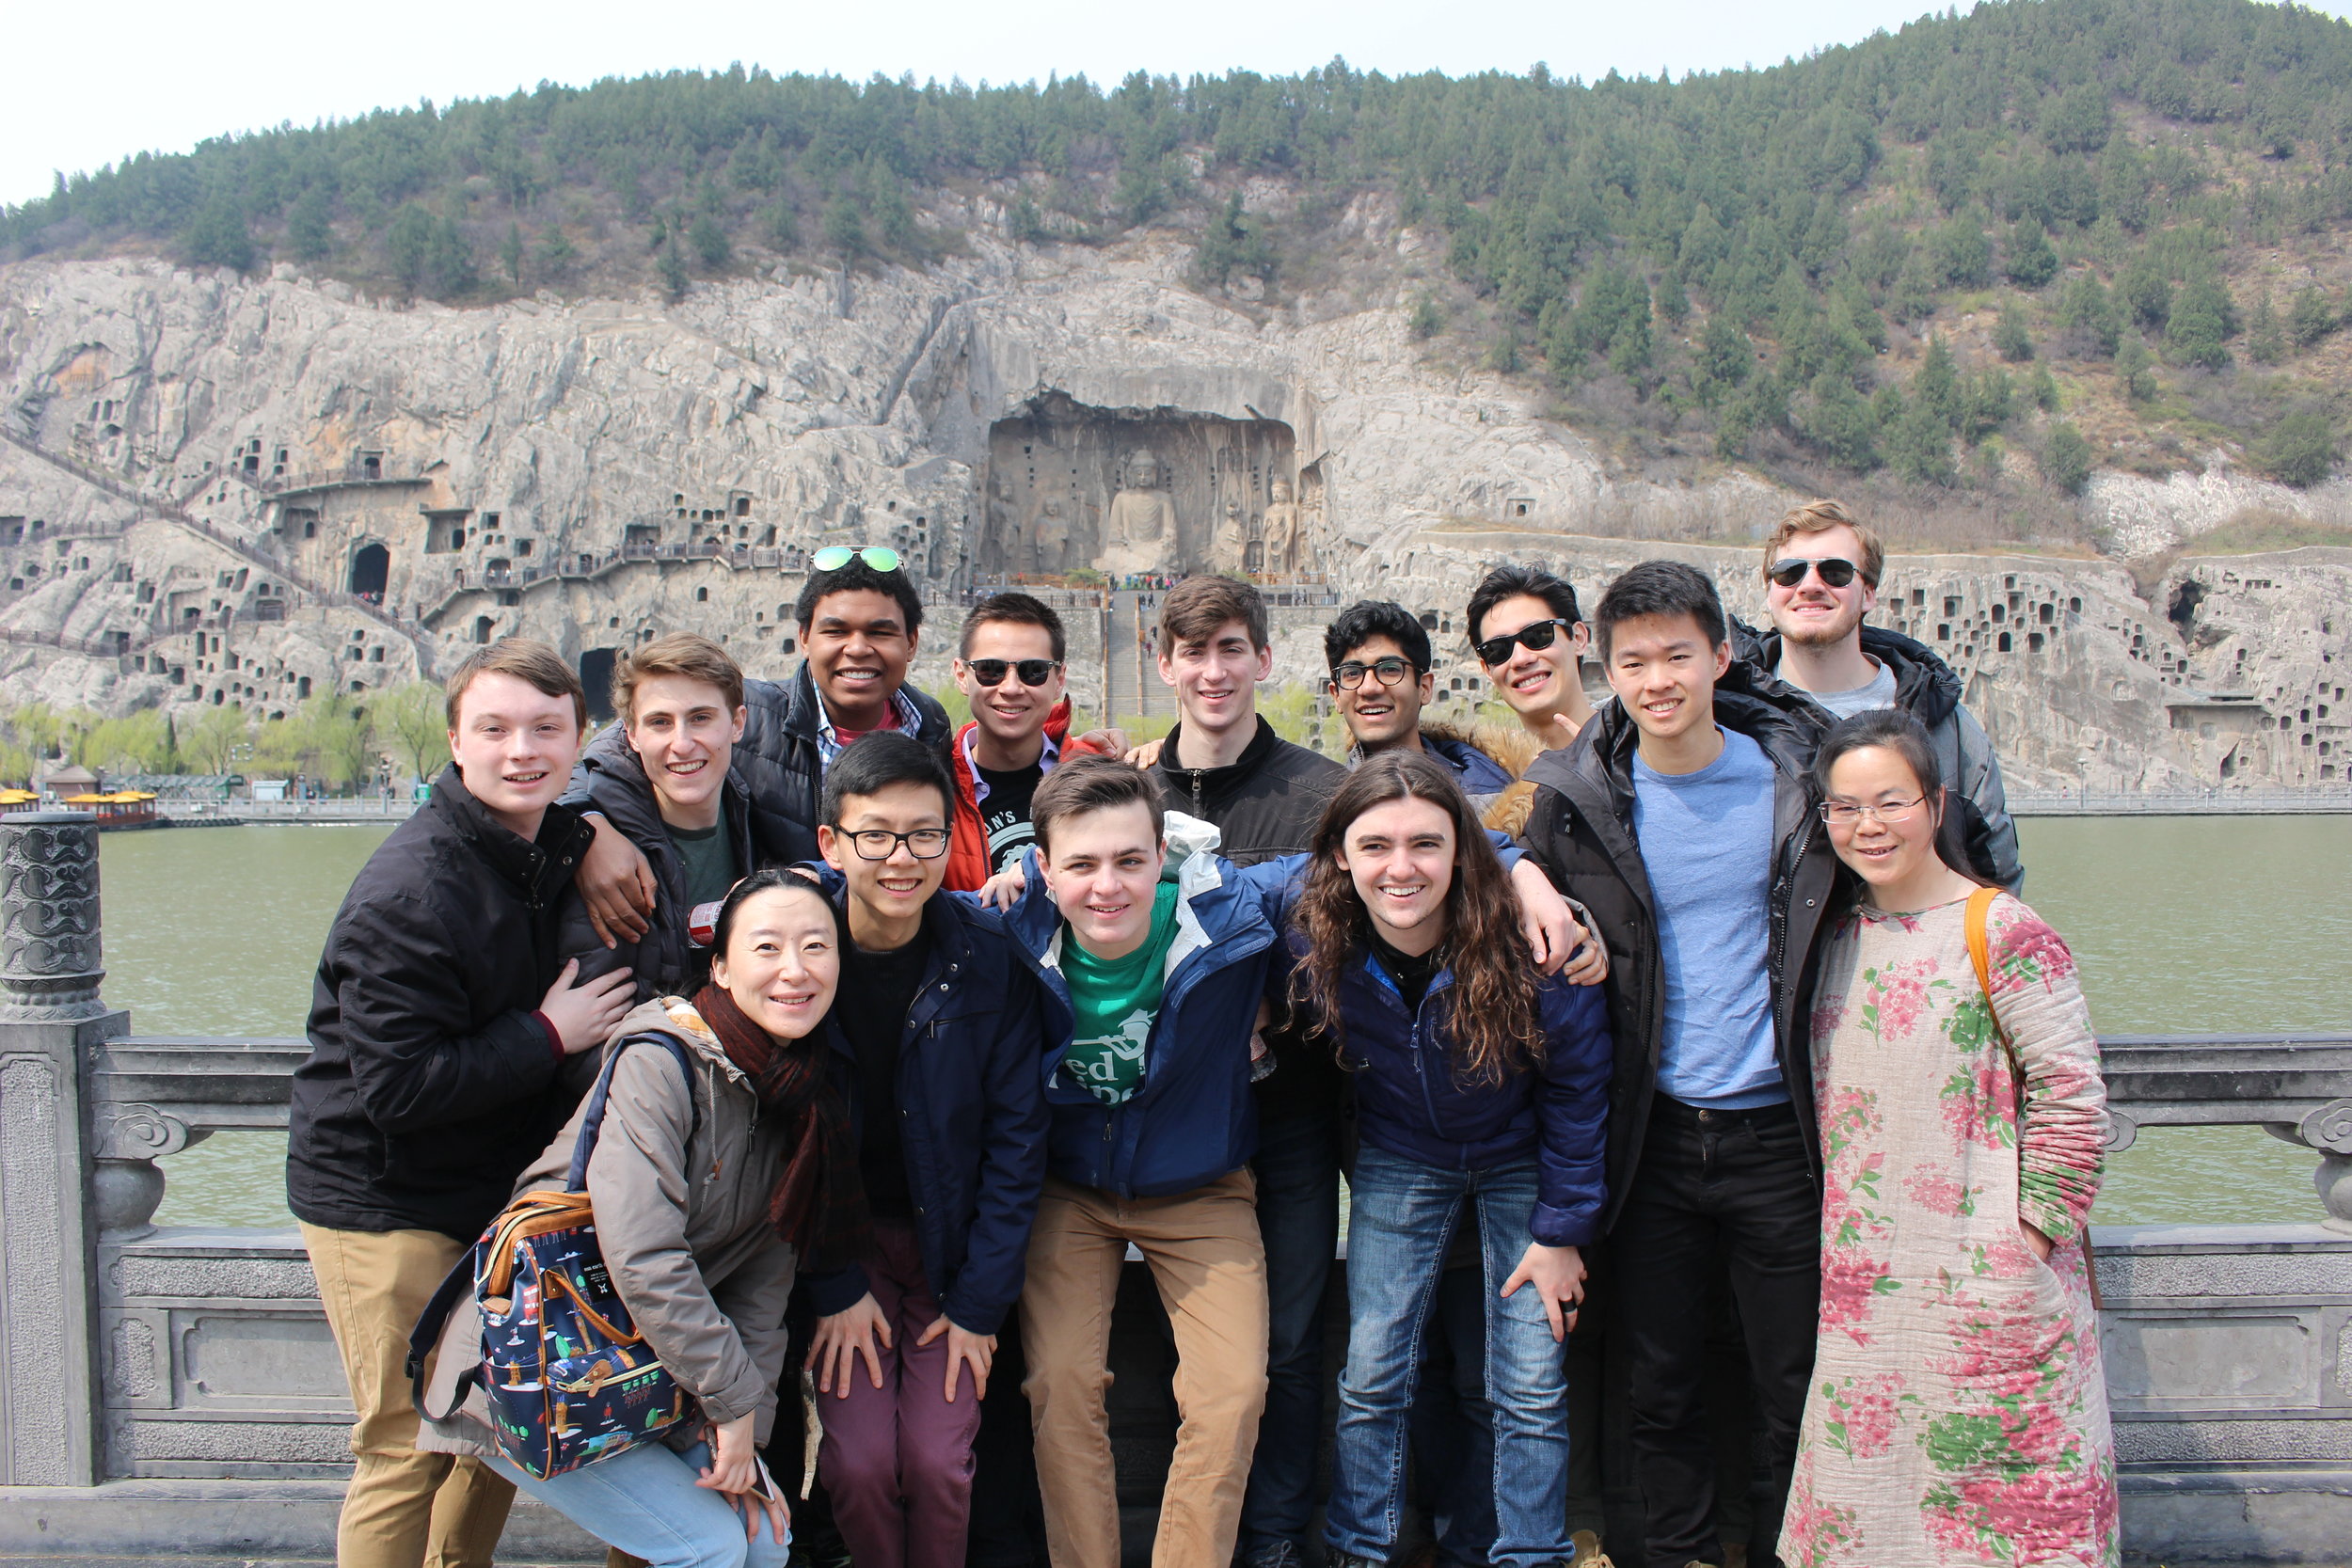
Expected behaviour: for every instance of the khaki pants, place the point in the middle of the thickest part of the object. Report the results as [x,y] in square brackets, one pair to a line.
[404,1508]
[1206,1256]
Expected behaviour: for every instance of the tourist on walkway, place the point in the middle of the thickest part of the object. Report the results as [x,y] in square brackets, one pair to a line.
[1821,571]
[1958,1410]
[1481,1096]
[942,1041]
[707,1194]
[441,1024]
[1683,816]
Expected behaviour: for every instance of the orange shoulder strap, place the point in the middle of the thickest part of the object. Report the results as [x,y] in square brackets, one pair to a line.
[1980,942]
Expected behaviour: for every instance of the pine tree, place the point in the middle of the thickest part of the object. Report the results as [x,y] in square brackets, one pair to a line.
[2310,319]
[709,237]
[2200,326]
[672,267]
[2266,335]
[219,237]
[1936,386]
[2066,459]
[2010,338]
[309,234]
[511,253]
[2028,256]
[556,256]
[2137,368]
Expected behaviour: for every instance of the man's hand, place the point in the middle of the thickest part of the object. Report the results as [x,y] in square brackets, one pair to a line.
[1551,930]
[1557,1272]
[1004,890]
[734,1470]
[1110,741]
[844,1337]
[616,881]
[1588,965]
[584,1014]
[1147,754]
[978,1351]
[1560,731]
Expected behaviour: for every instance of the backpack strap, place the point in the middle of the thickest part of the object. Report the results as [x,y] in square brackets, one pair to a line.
[1980,944]
[421,1338]
[575,1179]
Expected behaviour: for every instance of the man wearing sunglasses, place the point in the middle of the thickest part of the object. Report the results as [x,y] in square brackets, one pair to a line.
[1524,626]
[859,620]
[1009,666]
[1821,571]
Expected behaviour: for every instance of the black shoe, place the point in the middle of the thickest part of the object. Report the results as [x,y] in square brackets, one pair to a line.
[1274,1554]
[1346,1560]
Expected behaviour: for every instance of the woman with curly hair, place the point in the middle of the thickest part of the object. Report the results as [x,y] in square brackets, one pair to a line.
[1958,1412]
[1482,1095]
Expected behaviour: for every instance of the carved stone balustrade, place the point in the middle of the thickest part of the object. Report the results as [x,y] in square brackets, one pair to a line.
[151,1097]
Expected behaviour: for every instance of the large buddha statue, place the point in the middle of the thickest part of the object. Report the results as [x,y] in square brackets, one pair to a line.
[1285,541]
[1139,530]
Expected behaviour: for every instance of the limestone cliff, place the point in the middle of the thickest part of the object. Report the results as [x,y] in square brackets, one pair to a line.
[227,491]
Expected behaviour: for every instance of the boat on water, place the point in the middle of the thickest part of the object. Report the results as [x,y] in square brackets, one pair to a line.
[121,808]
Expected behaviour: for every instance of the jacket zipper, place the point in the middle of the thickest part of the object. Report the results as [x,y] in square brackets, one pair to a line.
[1197,810]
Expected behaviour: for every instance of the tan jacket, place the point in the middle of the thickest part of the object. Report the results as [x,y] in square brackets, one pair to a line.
[683,1225]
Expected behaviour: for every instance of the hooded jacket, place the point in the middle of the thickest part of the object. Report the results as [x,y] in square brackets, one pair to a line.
[431,1077]
[971,1117]
[967,854]
[679,1179]
[1926,688]
[1469,757]
[1581,830]
[780,760]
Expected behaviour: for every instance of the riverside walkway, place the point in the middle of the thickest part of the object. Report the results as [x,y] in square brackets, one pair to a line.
[174,1391]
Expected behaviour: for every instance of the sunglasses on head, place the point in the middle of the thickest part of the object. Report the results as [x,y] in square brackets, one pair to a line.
[1534,637]
[1836,573]
[1033,672]
[833,557]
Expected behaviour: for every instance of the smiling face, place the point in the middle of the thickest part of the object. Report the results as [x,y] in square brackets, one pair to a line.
[1380,716]
[783,960]
[1400,857]
[1102,869]
[1216,677]
[1814,613]
[682,732]
[1663,670]
[1533,681]
[514,746]
[1009,712]
[886,896]
[1882,852]
[858,647]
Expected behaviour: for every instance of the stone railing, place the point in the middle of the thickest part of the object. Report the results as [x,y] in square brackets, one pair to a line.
[175,1390]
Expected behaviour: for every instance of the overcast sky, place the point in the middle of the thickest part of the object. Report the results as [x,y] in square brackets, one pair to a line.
[88,84]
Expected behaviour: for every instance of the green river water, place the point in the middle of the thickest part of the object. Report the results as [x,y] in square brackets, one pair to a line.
[2182,925]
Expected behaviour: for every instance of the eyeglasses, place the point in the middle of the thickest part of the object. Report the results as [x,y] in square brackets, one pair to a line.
[879,844]
[833,557]
[1033,672]
[1844,813]
[1835,572]
[1534,637]
[1388,672]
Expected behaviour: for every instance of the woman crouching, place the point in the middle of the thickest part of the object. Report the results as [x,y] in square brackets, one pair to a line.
[1482,1095]
[706,1197]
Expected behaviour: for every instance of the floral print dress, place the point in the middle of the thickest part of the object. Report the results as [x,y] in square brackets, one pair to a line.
[1958,1413]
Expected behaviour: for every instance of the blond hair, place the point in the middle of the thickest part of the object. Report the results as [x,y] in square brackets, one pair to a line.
[1819,517]
[688,655]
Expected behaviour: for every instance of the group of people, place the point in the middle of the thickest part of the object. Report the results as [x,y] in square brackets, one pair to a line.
[1710,1003]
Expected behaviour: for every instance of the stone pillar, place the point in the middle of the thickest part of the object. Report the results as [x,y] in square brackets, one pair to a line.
[51,1024]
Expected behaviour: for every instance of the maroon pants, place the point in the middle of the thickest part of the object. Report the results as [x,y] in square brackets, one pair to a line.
[896,1460]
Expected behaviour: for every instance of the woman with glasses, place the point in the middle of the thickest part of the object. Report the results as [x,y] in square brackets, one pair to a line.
[1958,1410]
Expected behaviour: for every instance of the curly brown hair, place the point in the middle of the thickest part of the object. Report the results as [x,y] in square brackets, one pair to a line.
[1491,1025]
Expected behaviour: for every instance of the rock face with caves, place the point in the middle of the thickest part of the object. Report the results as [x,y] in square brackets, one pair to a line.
[227,491]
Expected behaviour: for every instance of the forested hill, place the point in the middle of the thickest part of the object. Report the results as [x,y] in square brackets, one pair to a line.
[2044,234]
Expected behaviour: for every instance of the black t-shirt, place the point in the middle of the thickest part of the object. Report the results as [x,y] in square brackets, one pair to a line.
[1005,815]
[1413,976]
[877,992]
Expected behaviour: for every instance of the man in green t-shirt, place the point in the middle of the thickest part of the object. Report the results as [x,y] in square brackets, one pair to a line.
[1115,1003]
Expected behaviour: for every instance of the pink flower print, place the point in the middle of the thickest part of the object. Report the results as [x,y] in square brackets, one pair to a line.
[1893,997]
[2028,950]
[1865,1423]
[1941,1194]
[1977,1103]
[2019,1515]
[1851,1280]
[1815,1531]
[1825,1019]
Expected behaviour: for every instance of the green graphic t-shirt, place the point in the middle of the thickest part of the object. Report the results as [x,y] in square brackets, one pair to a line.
[1115,1001]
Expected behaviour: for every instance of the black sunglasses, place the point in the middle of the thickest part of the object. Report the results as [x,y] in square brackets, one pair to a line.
[1534,637]
[1390,671]
[1033,672]
[1836,573]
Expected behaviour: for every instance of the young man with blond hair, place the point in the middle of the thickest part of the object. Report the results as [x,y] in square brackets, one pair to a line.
[1822,568]
[442,1022]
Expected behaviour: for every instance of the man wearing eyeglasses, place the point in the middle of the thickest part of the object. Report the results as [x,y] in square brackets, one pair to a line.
[1821,571]
[1382,680]
[860,622]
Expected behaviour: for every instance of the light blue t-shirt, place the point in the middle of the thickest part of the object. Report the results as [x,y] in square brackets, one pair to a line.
[1707,843]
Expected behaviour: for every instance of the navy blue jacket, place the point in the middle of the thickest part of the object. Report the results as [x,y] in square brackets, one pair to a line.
[972,1116]
[1192,1118]
[1410,1103]
[1477,772]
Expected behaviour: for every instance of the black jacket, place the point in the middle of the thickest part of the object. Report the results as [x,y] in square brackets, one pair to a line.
[1581,830]
[430,1085]
[665,962]
[1926,688]
[778,759]
[1268,803]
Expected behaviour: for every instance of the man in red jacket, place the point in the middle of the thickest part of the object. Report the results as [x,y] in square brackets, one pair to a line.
[1009,665]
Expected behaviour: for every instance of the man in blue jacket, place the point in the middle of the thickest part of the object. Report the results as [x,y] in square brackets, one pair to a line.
[940,1018]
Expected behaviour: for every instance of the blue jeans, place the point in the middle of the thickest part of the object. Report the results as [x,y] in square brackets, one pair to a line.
[1297,1166]
[1402,1220]
[644,1502]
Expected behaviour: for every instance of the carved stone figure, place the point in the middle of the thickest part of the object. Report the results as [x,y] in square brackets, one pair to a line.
[1285,542]
[1139,532]
[1231,551]
[1049,538]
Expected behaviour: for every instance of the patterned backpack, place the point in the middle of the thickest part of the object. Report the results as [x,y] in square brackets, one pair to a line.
[567,1377]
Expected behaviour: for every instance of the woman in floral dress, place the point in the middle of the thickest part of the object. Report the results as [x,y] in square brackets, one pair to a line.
[1959,1415]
